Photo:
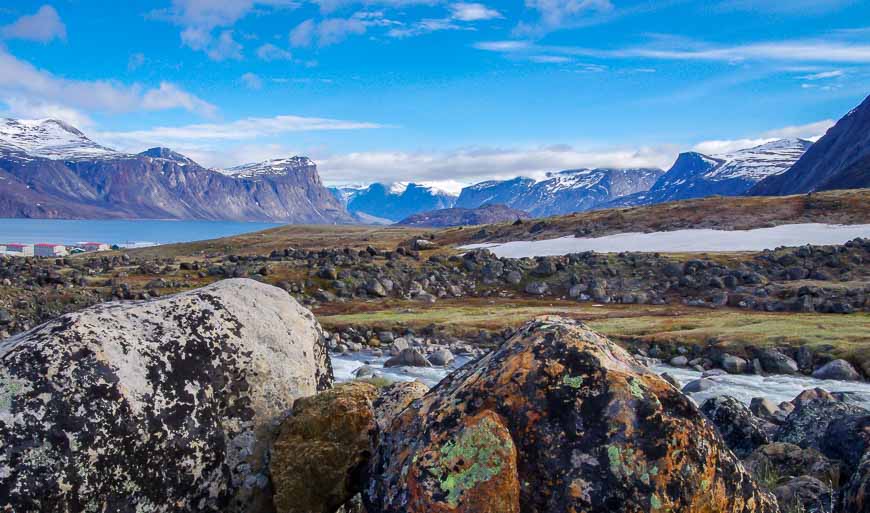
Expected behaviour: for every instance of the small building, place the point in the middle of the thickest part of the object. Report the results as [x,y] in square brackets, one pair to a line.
[95,246]
[50,250]
[19,250]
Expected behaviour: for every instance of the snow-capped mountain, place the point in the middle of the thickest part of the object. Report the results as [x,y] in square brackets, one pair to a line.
[839,160]
[394,201]
[560,193]
[275,167]
[49,139]
[49,169]
[695,175]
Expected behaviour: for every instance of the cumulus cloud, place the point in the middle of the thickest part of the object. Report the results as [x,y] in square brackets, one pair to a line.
[136,61]
[810,131]
[303,34]
[557,14]
[220,48]
[252,81]
[44,26]
[26,108]
[269,52]
[20,79]
[473,12]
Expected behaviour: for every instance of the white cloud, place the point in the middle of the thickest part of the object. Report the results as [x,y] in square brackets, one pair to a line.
[425,26]
[252,81]
[209,14]
[798,51]
[473,12]
[44,26]
[823,75]
[269,52]
[335,30]
[206,135]
[557,14]
[470,165]
[303,34]
[222,48]
[810,131]
[136,61]
[20,79]
[799,7]
[28,109]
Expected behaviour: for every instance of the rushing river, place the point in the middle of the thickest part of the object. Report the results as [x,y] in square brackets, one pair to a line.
[743,387]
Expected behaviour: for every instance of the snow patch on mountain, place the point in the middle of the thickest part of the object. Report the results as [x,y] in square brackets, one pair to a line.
[274,167]
[758,163]
[49,139]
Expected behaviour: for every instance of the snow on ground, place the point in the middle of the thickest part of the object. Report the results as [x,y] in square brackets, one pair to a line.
[685,241]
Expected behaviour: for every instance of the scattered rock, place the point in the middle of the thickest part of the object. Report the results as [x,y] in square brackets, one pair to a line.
[408,358]
[765,409]
[806,494]
[537,288]
[774,362]
[441,358]
[839,370]
[321,450]
[698,385]
[679,361]
[789,460]
[734,364]
[557,419]
[742,431]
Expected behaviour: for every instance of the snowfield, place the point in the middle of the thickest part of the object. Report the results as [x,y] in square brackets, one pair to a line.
[684,241]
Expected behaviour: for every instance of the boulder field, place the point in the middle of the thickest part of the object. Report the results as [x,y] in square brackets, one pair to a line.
[167,405]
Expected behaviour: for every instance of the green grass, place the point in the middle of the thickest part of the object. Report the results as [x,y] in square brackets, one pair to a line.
[840,336]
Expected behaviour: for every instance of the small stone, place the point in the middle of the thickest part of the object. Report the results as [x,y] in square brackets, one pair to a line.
[698,385]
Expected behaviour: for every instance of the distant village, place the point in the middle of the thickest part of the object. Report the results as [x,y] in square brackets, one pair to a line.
[51,250]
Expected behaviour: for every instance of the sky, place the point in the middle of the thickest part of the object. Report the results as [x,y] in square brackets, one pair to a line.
[436,91]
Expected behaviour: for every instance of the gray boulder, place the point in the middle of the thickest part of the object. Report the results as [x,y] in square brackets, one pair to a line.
[537,288]
[774,362]
[839,370]
[699,385]
[408,358]
[742,431]
[166,405]
[734,364]
[441,358]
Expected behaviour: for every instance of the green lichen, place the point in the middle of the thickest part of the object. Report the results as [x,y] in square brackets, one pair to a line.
[573,381]
[478,452]
[9,389]
[635,388]
[655,502]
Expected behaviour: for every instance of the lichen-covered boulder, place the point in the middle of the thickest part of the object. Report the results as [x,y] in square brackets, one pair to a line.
[166,405]
[321,451]
[395,398]
[789,460]
[561,419]
[741,430]
[856,494]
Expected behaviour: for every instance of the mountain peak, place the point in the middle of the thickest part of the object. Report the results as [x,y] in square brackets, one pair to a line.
[273,167]
[167,154]
[49,138]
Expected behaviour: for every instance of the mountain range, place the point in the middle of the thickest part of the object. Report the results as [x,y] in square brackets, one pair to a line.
[49,169]
[487,214]
[695,175]
[392,202]
[560,193]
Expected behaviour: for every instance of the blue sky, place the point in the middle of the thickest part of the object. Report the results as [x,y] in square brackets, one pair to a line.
[433,90]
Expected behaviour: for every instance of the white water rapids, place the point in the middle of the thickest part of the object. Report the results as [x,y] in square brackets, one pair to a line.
[743,387]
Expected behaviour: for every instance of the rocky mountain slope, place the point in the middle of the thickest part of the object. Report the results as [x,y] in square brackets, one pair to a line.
[839,160]
[695,175]
[487,214]
[560,193]
[51,170]
[392,202]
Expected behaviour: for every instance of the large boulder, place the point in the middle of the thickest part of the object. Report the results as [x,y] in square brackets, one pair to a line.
[839,370]
[856,494]
[742,431]
[322,449]
[789,460]
[557,418]
[166,405]
[814,413]
[395,398]
[775,362]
